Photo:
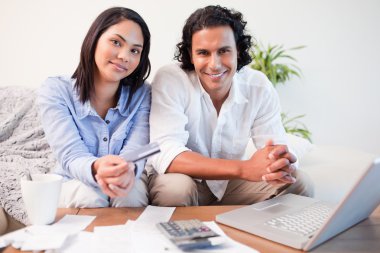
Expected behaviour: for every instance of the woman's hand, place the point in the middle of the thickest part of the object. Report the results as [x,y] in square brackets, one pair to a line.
[114,175]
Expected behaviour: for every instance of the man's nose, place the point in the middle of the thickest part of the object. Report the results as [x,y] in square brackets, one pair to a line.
[215,61]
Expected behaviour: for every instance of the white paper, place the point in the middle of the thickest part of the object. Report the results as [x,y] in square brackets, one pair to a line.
[44,242]
[152,215]
[40,237]
[150,239]
[113,239]
[15,238]
[155,214]
[74,223]
[53,237]
[78,243]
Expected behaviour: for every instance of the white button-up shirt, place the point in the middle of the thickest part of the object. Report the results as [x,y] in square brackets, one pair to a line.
[184,118]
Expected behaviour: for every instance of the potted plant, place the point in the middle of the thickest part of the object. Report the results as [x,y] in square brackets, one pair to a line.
[268,60]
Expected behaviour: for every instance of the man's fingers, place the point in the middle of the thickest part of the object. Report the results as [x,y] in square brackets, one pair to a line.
[274,176]
[282,151]
[277,152]
[288,179]
[290,169]
[290,156]
[280,175]
[269,142]
[275,182]
[278,165]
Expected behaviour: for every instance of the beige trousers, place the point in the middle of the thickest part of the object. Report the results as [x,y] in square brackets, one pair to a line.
[175,189]
[75,194]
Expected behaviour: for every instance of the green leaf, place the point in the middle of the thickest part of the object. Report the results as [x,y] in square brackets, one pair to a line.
[292,125]
[266,60]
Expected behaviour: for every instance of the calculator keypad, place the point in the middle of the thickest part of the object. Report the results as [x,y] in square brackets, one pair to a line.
[186,229]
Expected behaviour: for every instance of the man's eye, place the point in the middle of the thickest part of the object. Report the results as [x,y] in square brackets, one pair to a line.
[202,53]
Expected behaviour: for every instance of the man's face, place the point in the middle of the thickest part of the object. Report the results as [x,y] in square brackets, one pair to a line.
[214,56]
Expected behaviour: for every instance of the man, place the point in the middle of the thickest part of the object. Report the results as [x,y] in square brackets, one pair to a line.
[205,110]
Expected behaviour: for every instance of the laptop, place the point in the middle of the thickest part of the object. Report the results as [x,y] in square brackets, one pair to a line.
[304,223]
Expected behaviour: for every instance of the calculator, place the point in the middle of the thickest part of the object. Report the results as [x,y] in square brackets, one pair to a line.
[190,234]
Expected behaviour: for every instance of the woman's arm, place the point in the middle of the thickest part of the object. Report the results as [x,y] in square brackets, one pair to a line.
[57,115]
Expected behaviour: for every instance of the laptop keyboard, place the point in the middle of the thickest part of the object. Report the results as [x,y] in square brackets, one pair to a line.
[303,222]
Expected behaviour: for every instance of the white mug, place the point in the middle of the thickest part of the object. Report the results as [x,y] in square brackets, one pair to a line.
[41,196]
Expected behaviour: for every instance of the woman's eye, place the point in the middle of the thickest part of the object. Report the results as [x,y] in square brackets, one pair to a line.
[116,43]
[135,51]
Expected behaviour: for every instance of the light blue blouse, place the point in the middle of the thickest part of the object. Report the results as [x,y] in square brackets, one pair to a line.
[78,135]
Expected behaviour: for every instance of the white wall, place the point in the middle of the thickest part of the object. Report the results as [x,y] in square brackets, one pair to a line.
[339,91]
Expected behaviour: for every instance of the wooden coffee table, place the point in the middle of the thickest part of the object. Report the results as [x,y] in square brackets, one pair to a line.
[364,237]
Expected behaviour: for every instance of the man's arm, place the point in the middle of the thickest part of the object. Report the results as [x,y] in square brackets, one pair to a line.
[271,162]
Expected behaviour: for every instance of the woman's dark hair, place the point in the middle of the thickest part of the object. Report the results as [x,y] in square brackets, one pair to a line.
[212,16]
[84,73]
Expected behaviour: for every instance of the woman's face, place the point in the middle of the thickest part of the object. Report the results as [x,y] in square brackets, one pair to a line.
[118,52]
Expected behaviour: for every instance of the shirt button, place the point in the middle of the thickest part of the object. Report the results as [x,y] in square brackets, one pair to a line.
[105,139]
[107,121]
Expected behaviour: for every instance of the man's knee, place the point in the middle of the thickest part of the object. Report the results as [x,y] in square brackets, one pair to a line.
[173,189]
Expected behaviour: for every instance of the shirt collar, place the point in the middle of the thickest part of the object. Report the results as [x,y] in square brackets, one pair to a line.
[84,110]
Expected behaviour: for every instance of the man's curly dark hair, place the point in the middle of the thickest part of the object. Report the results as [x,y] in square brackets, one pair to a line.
[212,16]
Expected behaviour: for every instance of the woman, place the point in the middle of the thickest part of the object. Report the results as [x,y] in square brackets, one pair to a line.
[101,113]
